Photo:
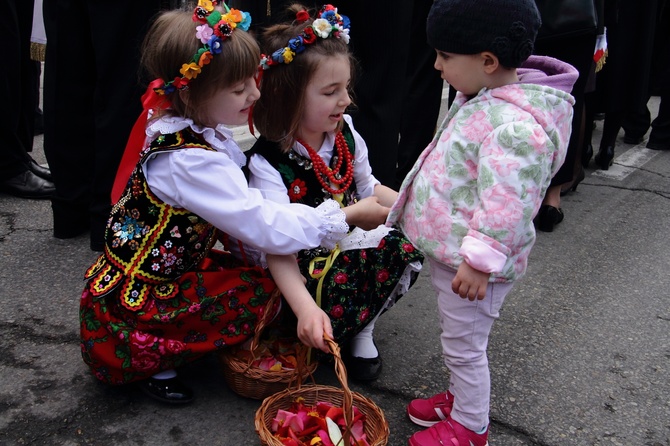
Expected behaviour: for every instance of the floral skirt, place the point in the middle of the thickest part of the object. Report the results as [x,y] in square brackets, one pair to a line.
[354,286]
[218,305]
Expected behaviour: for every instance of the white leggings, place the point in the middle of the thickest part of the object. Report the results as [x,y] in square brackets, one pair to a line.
[465,332]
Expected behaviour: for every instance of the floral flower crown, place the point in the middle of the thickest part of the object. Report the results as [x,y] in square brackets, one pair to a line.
[327,24]
[216,26]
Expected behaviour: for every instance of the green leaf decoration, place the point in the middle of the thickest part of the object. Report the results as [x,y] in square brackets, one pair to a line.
[286,172]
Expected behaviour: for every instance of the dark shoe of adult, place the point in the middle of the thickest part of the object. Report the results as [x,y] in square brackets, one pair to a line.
[362,369]
[548,217]
[170,391]
[632,139]
[28,185]
[605,157]
[657,146]
[39,170]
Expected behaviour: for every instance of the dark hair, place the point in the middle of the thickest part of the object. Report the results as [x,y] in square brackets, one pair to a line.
[278,112]
[171,42]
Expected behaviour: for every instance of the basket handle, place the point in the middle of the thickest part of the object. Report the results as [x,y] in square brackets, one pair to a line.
[347,399]
[263,322]
[302,354]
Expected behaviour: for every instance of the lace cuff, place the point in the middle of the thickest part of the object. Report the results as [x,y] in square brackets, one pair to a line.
[334,223]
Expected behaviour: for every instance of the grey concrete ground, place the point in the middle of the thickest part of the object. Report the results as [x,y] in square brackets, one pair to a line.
[580,355]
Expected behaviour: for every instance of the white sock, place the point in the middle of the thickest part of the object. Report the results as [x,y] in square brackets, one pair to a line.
[362,345]
[165,374]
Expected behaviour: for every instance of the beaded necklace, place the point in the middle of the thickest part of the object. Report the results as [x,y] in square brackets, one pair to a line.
[328,176]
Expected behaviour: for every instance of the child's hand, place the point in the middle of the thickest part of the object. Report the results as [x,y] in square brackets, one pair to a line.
[470,283]
[367,213]
[312,323]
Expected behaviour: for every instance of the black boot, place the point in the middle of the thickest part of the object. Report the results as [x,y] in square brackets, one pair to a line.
[605,157]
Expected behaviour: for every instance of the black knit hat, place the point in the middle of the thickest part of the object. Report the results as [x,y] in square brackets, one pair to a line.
[507,28]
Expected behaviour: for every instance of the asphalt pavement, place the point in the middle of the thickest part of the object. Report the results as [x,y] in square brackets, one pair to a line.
[579,356]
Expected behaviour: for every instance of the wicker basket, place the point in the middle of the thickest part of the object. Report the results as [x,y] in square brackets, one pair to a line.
[253,382]
[376,426]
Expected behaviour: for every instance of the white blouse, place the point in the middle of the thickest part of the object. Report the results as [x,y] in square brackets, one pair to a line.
[212,185]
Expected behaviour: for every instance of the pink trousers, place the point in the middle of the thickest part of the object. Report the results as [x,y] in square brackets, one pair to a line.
[465,332]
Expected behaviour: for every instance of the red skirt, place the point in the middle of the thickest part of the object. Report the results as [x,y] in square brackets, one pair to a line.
[218,305]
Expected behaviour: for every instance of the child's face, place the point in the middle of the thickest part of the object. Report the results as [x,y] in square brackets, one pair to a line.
[326,97]
[231,105]
[464,72]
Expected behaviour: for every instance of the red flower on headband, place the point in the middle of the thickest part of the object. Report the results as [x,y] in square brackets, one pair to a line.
[200,14]
[308,35]
[302,16]
[223,29]
[180,83]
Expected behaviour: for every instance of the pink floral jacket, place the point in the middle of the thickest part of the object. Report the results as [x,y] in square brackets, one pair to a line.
[474,191]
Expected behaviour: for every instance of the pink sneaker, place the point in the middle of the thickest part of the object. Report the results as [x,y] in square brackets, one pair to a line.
[426,412]
[449,432]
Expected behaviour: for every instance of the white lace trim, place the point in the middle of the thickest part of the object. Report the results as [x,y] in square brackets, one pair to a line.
[220,138]
[334,223]
[360,239]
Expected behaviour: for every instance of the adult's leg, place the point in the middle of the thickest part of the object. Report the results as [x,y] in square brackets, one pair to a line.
[378,90]
[16,114]
[423,95]
[68,112]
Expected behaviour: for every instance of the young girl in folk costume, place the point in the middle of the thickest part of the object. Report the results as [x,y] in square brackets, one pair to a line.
[309,152]
[469,201]
[160,296]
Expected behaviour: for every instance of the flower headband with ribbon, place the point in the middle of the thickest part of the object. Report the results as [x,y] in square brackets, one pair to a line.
[215,27]
[327,24]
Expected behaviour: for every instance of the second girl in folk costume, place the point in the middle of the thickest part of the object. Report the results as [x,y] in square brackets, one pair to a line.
[309,152]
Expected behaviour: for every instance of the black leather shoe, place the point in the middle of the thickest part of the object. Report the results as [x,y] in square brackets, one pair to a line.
[548,217]
[653,145]
[362,369]
[171,391]
[605,157]
[40,171]
[28,185]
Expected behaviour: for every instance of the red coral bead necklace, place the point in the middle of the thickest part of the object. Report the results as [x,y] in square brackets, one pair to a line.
[323,172]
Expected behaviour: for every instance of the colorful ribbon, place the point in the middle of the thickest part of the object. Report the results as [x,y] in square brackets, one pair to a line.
[322,274]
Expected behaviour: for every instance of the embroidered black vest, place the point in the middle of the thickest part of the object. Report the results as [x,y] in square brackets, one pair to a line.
[148,243]
[298,174]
